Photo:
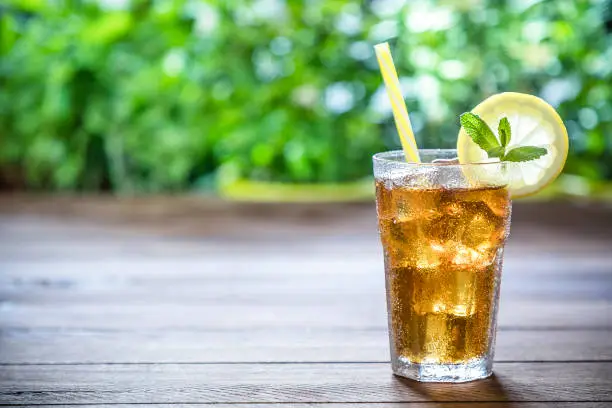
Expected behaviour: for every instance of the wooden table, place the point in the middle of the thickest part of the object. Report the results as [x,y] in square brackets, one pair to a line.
[195,301]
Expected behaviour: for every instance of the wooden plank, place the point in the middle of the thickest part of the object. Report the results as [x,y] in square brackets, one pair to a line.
[51,227]
[97,249]
[103,244]
[302,312]
[220,293]
[307,262]
[217,293]
[175,215]
[281,345]
[431,404]
[536,276]
[208,279]
[293,383]
[231,217]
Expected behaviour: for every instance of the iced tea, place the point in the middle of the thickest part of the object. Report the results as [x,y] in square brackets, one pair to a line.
[443,241]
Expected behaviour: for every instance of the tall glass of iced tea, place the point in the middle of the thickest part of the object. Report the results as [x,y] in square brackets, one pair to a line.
[443,226]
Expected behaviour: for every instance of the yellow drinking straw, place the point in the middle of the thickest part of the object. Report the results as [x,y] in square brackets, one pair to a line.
[400,113]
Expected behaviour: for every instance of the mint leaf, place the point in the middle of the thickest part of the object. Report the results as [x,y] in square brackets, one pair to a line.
[503,129]
[483,136]
[524,153]
[496,152]
[479,131]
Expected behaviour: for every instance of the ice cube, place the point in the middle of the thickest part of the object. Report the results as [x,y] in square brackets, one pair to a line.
[450,177]
[466,256]
[481,224]
[462,310]
[394,177]
[465,289]
[417,177]
[415,205]
[436,341]
[430,255]
[402,241]
[473,258]
[447,225]
[499,204]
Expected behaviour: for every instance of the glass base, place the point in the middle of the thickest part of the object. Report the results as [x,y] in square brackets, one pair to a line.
[453,373]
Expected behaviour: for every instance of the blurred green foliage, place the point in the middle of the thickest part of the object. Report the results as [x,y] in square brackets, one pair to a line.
[147,95]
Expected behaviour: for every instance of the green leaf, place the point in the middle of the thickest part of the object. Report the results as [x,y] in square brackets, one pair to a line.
[524,153]
[496,152]
[479,131]
[108,28]
[503,129]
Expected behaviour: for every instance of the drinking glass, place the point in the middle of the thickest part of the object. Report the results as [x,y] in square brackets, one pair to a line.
[443,226]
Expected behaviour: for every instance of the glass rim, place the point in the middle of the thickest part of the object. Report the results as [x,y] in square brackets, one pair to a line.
[390,156]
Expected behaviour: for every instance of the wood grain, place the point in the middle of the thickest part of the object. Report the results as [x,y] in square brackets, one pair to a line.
[185,215]
[286,383]
[183,300]
[431,404]
[100,227]
[125,276]
[281,345]
[272,314]
[278,291]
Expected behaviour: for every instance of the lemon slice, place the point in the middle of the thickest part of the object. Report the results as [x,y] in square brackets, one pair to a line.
[533,122]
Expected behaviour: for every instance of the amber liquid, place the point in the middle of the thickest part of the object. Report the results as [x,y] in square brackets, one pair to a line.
[442,263]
